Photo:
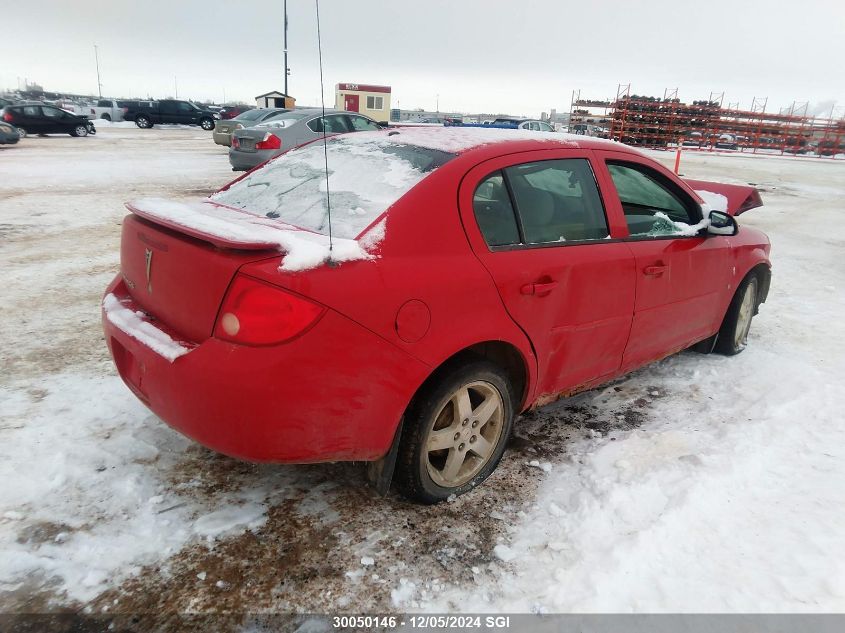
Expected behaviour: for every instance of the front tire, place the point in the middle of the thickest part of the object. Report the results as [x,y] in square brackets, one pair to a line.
[207,124]
[22,132]
[80,130]
[143,122]
[455,432]
[733,335]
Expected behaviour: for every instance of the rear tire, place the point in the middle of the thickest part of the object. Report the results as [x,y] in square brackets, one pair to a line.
[207,124]
[22,132]
[143,122]
[733,335]
[455,432]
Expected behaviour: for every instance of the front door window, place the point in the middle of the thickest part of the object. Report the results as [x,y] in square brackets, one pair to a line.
[651,208]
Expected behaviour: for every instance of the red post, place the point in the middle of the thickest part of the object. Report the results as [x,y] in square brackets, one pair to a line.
[678,157]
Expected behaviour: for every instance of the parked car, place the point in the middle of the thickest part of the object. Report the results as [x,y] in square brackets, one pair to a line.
[488,286]
[506,123]
[224,129]
[106,109]
[230,112]
[148,113]
[9,134]
[726,141]
[254,145]
[46,119]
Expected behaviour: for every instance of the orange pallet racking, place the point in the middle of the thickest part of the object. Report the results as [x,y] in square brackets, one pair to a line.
[666,122]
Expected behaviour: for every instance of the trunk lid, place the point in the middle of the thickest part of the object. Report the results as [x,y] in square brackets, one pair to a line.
[178,278]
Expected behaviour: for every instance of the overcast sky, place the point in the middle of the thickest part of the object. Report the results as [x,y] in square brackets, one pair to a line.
[517,57]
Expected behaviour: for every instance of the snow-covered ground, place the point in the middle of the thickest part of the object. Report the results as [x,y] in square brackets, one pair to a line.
[702,483]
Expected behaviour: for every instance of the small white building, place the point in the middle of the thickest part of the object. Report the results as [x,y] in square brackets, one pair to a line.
[373,101]
[275,99]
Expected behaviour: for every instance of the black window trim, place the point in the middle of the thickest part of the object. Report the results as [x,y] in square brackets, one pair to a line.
[672,187]
[523,245]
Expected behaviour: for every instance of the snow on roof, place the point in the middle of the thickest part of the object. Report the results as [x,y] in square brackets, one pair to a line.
[459,139]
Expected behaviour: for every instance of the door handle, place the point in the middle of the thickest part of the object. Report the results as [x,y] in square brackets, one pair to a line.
[655,271]
[540,289]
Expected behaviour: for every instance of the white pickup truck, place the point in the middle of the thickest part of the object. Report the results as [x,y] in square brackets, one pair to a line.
[107,109]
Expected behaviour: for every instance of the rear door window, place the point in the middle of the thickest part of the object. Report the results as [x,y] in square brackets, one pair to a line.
[337,124]
[557,201]
[494,213]
[362,124]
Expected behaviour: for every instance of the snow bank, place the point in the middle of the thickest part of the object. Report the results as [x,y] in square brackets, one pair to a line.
[303,249]
[103,123]
[135,324]
[88,494]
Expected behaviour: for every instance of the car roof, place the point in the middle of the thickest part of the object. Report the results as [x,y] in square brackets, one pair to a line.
[462,140]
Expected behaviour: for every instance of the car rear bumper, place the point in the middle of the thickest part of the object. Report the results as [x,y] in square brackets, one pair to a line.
[243,161]
[335,393]
[222,138]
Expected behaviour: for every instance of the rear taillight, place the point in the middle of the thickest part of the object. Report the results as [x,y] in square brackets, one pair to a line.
[235,142]
[125,110]
[8,116]
[270,141]
[256,313]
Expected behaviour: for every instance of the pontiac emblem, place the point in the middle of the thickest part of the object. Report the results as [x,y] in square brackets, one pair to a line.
[148,256]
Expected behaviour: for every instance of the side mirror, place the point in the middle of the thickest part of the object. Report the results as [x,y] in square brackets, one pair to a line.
[722,224]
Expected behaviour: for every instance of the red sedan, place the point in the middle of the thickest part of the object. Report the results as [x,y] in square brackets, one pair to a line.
[470,275]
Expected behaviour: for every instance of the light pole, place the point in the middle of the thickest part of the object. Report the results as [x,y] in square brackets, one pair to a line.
[286,46]
[97,62]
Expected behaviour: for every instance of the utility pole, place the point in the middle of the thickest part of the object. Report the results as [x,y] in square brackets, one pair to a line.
[97,61]
[175,87]
[287,70]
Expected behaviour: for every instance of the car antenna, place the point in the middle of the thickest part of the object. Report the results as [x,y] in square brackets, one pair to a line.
[323,121]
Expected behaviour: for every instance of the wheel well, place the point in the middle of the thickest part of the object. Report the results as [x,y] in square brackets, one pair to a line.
[764,278]
[505,355]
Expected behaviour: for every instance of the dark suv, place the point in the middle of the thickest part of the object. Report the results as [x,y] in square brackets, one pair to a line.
[147,113]
[46,119]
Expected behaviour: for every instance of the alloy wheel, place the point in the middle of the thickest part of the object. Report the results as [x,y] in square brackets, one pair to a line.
[746,311]
[465,434]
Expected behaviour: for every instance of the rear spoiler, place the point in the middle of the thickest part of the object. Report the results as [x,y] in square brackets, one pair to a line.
[250,234]
[741,198]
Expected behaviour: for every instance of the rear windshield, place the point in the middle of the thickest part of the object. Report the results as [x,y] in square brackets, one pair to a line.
[366,176]
[251,115]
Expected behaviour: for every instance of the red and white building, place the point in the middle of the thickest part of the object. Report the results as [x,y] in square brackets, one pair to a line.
[373,101]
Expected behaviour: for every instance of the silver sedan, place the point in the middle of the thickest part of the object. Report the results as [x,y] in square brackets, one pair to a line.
[223,129]
[255,145]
